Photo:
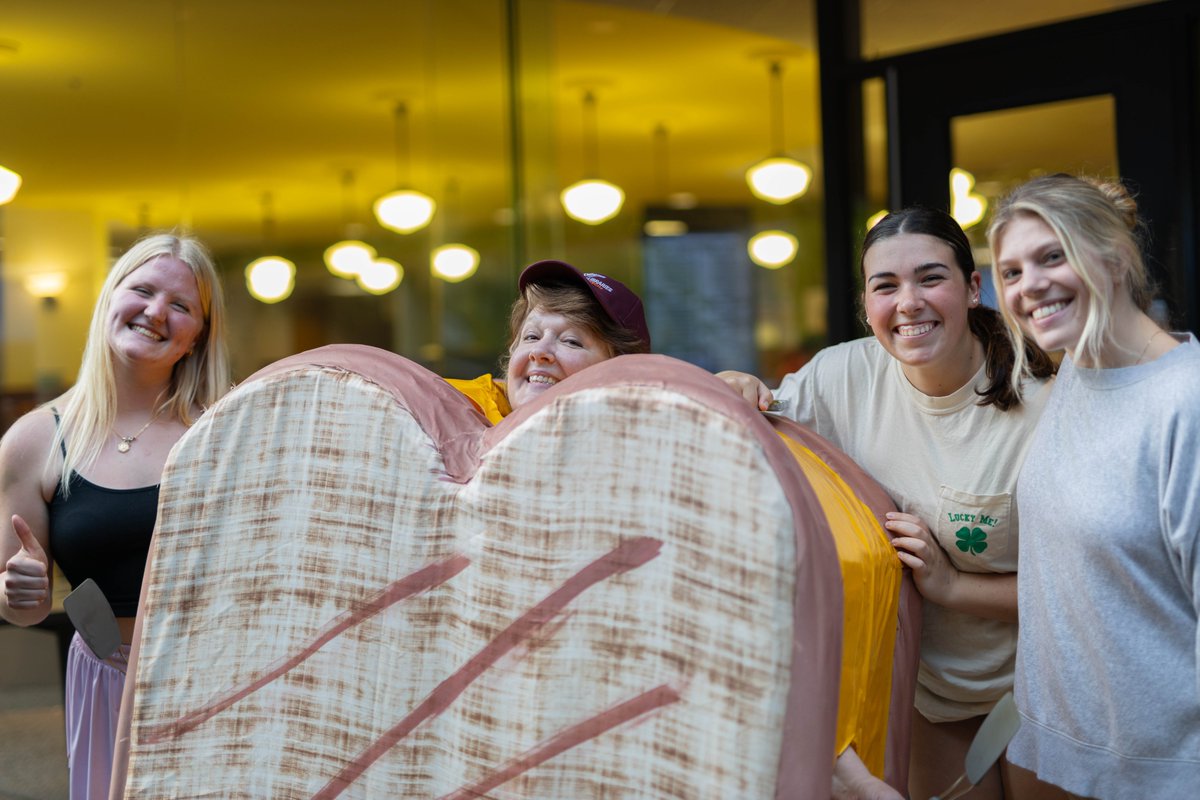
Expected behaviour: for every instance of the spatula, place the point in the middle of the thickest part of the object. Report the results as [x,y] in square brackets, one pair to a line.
[997,730]
[92,616]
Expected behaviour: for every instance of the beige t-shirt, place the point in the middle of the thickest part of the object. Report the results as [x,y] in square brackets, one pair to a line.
[954,464]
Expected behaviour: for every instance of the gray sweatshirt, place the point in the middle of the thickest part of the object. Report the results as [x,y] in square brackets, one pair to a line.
[1109,582]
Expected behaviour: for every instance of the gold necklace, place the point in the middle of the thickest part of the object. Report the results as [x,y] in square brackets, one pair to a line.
[1146,347]
[127,441]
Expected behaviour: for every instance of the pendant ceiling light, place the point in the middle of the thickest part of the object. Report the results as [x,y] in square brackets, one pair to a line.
[404,210]
[778,178]
[349,257]
[591,200]
[10,182]
[452,262]
[380,276]
[772,249]
[967,207]
[271,278]
[663,224]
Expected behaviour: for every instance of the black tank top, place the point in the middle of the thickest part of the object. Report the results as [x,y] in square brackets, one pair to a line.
[104,534]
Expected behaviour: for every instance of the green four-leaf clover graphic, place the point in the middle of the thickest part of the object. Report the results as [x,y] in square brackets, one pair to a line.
[971,540]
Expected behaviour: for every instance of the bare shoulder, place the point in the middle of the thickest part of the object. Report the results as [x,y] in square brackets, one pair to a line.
[26,444]
[31,432]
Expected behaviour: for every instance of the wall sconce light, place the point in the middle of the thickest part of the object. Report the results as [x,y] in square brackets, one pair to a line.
[47,287]
[591,200]
[772,249]
[10,182]
[271,278]
[779,178]
[404,210]
[454,262]
[967,207]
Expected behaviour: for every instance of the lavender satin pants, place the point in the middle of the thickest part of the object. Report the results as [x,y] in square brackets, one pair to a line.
[93,701]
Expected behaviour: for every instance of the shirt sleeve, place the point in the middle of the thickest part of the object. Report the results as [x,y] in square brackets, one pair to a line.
[1180,509]
[798,394]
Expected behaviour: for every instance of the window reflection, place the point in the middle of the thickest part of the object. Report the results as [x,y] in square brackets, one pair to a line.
[194,111]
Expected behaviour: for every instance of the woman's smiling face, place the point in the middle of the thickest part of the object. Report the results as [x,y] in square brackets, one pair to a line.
[155,315]
[549,348]
[1041,290]
[917,298]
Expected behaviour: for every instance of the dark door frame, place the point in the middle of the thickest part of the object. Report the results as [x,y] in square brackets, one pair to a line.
[1145,57]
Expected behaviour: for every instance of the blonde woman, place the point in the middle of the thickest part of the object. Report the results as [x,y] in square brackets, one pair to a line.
[1107,675]
[79,476]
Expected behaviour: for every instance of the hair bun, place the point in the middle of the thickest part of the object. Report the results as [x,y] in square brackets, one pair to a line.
[1116,193]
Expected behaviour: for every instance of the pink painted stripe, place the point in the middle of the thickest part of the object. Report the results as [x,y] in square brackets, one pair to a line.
[626,556]
[423,579]
[561,742]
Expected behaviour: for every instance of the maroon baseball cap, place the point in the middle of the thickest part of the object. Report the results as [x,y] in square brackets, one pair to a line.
[618,300]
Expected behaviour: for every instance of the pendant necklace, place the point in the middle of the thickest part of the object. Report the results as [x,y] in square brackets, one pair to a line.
[1142,355]
[127,441]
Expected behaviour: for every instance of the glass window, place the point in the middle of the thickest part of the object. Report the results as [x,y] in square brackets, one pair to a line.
[1001,149]
[271,128]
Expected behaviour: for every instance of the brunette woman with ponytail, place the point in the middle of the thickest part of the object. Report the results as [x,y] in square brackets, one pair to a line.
[934,408]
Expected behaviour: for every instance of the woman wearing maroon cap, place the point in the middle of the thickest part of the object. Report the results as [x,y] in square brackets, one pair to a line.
[563,321]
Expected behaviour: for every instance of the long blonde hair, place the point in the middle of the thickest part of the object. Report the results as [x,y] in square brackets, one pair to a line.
[199,378]
[1097,225]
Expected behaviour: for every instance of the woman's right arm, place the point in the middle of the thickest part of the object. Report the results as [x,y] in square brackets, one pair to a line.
[798,396]
[749,387]
[24,521]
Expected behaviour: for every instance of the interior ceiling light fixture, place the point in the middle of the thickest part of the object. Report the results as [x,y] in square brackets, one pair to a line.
[665,227]
[381,276]
[876,218]
[662,227]
[772,249]
[347,258]
[591,200]
[454,262]
[404,210]
[778,178]
[967,207]
[10,183]
[271,278]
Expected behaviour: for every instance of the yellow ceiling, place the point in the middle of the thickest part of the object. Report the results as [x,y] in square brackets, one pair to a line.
[165,112]
[158,112]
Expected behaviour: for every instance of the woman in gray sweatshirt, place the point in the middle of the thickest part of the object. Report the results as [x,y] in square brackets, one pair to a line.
[1109,503]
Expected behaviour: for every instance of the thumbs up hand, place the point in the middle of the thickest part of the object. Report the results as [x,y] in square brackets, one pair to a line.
[26,576]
